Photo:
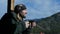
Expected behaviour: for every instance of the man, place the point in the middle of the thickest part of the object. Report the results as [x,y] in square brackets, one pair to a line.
[13,22]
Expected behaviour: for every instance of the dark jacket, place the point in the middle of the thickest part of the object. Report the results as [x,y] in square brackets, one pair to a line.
[10,25]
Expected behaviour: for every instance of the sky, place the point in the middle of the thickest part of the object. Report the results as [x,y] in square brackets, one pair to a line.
[36,8]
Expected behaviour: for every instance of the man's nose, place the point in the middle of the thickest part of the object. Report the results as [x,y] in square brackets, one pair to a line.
[26,13]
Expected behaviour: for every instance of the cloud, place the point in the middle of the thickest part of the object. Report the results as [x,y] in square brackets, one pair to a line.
[37,8]
[3,7]
[44,8]
[40,8]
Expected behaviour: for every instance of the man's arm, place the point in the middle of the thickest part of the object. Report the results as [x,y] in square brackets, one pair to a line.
[29,25]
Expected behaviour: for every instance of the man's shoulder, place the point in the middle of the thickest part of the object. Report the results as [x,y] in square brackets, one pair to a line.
[6,15]
[6,18]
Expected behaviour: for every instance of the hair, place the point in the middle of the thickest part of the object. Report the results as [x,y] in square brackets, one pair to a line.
[18,8]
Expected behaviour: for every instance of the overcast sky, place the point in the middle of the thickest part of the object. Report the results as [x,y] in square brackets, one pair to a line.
[36,8]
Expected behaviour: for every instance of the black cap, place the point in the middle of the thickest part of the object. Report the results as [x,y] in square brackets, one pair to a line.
[19,8]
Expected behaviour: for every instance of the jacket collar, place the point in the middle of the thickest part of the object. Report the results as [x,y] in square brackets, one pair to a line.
[17,17]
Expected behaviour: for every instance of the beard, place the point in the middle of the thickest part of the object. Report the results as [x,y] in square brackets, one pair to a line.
[22,16]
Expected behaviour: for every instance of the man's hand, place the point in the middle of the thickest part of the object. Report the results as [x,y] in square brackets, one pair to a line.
[30,24]
[33,24]
[27,24]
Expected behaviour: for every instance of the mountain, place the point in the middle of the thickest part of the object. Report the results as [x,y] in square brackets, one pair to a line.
[48,25]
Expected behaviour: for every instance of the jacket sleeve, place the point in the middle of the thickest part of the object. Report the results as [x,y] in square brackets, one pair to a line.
[27,30]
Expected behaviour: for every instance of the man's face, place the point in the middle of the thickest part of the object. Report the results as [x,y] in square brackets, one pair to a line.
[23,13]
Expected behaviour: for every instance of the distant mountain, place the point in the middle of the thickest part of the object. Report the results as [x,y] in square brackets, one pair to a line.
[49,25]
